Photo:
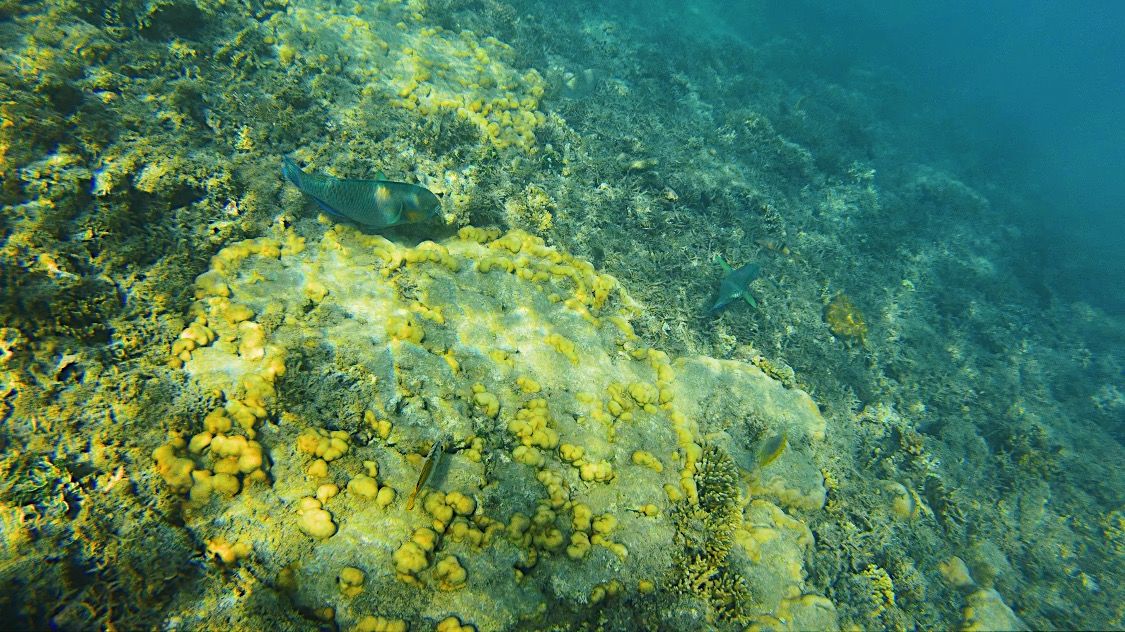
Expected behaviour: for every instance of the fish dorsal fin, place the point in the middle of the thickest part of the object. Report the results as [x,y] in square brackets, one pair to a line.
[379,175]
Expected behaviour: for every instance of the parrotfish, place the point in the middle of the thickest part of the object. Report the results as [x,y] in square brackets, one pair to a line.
[374,204]
[734,285]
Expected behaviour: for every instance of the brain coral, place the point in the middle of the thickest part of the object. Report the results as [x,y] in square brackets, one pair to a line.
[572,458]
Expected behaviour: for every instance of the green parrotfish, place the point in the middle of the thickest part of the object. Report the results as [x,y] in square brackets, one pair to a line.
[734,285]
[374,204]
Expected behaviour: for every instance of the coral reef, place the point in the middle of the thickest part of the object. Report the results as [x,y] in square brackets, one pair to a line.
[461,338]
[707,533]
[430,71]
[215,408]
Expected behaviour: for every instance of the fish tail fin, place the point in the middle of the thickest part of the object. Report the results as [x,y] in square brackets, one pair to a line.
[723,262]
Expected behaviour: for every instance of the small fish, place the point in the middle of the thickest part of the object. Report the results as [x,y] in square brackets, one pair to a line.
[733,285]
[437,450]
[772,448]
[374,204]
[779,247]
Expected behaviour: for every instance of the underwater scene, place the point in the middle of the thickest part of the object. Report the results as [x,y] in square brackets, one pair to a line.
[384,315]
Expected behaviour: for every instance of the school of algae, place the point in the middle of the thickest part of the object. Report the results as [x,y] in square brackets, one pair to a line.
[217,404]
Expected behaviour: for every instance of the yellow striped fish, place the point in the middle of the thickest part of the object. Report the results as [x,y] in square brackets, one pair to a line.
[437,450]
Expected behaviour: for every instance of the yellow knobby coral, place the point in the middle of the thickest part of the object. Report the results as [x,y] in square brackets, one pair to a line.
[364,486]
[844,318]
[450,574]
[413,556]
[453,624]
[322,443]
[314,520]
[579,545]
[646,459]
[486,402]
[350,581]
[174,469]
[882,589]
[372,623]
[226,552]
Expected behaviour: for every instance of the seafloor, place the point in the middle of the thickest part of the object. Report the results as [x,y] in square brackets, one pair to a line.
[217,402]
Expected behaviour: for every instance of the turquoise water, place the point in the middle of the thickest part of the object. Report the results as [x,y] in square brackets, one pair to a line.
[930,195]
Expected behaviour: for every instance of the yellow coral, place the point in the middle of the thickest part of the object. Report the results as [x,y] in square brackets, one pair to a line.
[640,457]
[609,589]
[486,402]
[844,318]
[563,346]
[528,455]
[385,496]
[363,486]
[571,453]
[450,574]
[405,327]
[174,469]
[882,589]
[350,581]
[605,524]
[600,471]
[579,545]
[435,505]
[413,556]
[314,520]
[453,624]
[527,384]
[226,552]
[461,504]
[577,428]
[371,623]
[643,393]
[323,444]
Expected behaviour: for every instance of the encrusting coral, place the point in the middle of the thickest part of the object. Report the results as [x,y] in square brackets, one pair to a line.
[844,318]
[467,346]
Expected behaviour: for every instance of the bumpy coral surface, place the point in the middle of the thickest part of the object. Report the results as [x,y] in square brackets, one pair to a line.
[844,318]
[568,445]
[429,69]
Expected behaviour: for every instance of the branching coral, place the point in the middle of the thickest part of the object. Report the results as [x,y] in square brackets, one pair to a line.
[706,533]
